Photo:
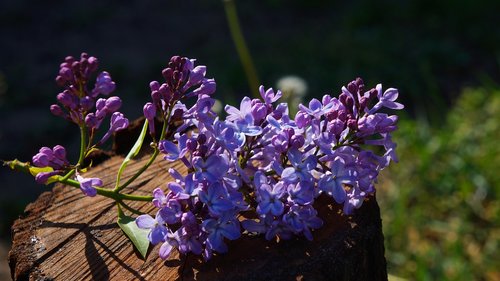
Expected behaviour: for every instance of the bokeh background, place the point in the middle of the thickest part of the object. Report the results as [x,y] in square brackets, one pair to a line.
[440,205]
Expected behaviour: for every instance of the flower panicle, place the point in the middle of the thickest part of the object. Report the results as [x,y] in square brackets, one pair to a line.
[262,160]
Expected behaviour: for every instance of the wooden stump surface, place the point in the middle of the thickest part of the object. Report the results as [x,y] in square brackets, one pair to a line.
[65,235]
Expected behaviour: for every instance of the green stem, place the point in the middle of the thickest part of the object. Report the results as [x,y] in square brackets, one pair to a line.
[83,144]
[151,159]
[108,192]
[68,175]
[241,47]
[140,171]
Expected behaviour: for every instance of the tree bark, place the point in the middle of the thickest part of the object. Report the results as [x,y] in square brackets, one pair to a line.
[64,235]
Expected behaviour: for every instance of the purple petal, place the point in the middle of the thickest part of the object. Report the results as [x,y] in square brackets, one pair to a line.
[165,250]
[289,174]
[145,222]
[338,192]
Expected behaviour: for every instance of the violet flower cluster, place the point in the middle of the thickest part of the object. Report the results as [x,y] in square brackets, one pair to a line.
[260,170]
[81,104]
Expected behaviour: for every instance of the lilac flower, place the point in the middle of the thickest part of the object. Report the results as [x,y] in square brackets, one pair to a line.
[104,85]
[87,185]
[354,200]
[387,99]
[280,142]
[43,177]
[188,235]
[113,104]
[301,193]
[269,197]
[376,123]
[196,76]
[206,88]
[118,122]
[245,110]
[171,150]
[218,229]
[172,211]
[157,228]
[211,169]
[178,192]
[171,242]
[388,144]
[332,182]
[216,198]
[159,198]
[68,100]
[316,108]
[301,219]
[268,95]
[226,136]
[300,170]
[246,126]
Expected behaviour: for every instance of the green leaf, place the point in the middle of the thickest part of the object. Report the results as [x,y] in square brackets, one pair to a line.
[138,237]
[36,170]
[132,153]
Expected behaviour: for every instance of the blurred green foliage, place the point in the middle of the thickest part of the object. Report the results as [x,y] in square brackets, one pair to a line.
[440,206]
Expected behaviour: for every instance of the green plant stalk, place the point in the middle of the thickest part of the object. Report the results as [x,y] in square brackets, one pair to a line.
[131,154]
[151,159]
[83,144]
[241,47]
[108,192]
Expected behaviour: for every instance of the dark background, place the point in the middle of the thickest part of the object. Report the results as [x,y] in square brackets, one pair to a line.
[429,50]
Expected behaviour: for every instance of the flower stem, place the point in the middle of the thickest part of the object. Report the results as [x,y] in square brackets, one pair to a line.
[151,159]
[83,144]
[241,47]
[108,192]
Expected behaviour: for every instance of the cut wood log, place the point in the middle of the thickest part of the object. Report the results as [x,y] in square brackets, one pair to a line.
[65,235]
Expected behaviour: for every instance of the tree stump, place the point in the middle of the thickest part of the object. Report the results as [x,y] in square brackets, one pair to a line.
[64,235]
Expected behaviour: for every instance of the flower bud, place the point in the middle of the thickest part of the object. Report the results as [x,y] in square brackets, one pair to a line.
[43,177]
[118,122]
[67,99]
[352,124]
[207,88]
[297,141]
[104,85]
[86,103]
[40,160]
[259,111]
[113,104]
[92,121]
[93,64]
[280,142]
[59,152]
[66,73]
[302,119]
[56,110]
[149,111]
[352,87]
[60,81]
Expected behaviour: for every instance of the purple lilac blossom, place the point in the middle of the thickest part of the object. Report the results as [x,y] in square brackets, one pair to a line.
[87,185]
[262,160]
